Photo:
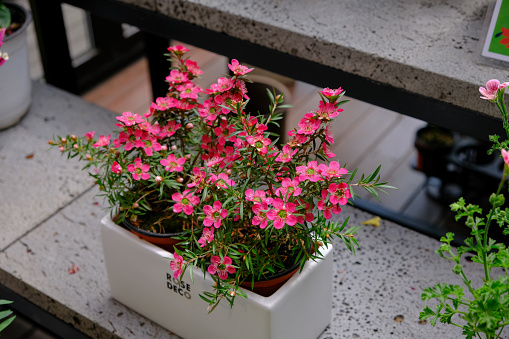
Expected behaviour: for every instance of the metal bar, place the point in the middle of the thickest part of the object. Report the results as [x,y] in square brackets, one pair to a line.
[155,47]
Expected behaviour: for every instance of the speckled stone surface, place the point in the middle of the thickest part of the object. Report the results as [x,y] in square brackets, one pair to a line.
[425,47]
[376,293]
[37,180]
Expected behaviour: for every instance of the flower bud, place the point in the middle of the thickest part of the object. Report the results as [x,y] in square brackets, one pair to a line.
[189,126]
[188,156]
[164,148]
[158,179]
[180,180]
[61,148]
[64,140]
[228,172]
[50,142]
[89,157]
[173,147]
[233,293]
[73,137]
[135,205]
[76,146]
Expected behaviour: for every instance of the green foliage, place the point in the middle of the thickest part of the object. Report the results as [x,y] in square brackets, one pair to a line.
[5,15]
[4,314]
[483,312]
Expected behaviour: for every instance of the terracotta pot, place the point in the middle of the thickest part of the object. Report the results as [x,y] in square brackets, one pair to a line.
[15,82]
[267,287]
[162,240]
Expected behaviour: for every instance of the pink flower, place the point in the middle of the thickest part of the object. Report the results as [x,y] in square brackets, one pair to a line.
[290,187]
[90,135]
[237,68]
[103,141]
[311,172]
[308,126]
[176,264]
[327,111]
[198,177]
[214,214]
[257,197]
[177,77]
[286,154]
[260,211]
[192,67]
[259,142]
[178,49]
[173,164]
[116,168]
[130,119]
[326,208]
[334,170]
[492,87]
[282,213]
[185,201]
[207,236]
[340,193]
[221,180]
[161,104]
[2,34]
[189,91]
[329,93]
[505,155]
[221,267]
[139,170]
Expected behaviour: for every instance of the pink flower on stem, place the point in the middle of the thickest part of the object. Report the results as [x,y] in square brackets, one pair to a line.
[173,164]
[237,68]
[286,154]
[188,91]
[206,237]
[161,104]
[327,111]
[192,67]
[311,172]
[221,266]
[214,214]
[185,201]
[176,264]
[308,126]
[340,193]
[505,156]
[259,142]
[260,211]
[177,77]
[198,177]
[257,197]
[138,169]
[334,170]
[178,49]
[327,151]
[224,131]
[290,187]
[492,87]
[331,93]
[150,144]
[130,119]
[221,180]
[90,136]
[116,168]
[282,213]
[327,209]
[103,141]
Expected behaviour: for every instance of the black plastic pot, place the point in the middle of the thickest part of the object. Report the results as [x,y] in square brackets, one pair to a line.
[433,145]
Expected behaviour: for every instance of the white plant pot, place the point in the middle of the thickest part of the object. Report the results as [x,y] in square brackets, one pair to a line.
[15,82]
[140,277]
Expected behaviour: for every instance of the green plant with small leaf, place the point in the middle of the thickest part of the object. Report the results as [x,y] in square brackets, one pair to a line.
[5,15]
[6,314]
[481,311]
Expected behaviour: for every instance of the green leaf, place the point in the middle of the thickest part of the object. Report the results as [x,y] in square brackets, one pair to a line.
[5,16]
[6,323]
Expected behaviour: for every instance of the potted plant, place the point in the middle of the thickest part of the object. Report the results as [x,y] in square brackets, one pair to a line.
[433,144]
[15,82]
[209,175]
[481,306]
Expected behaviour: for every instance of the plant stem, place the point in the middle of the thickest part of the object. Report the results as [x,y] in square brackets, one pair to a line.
[485,245]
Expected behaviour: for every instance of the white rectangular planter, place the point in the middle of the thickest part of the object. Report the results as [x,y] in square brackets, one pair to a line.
[140,277]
